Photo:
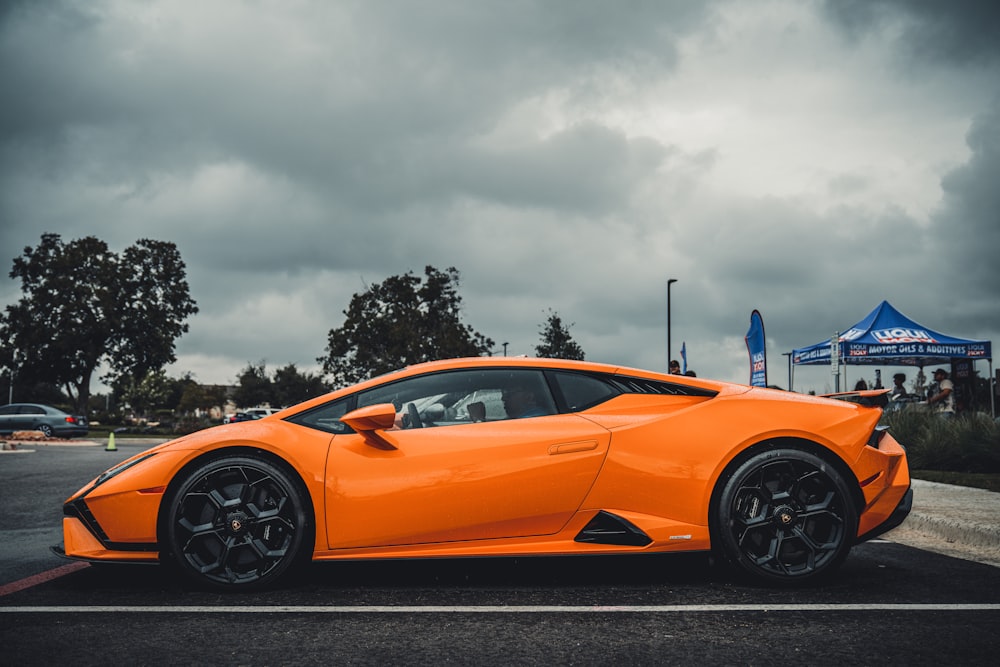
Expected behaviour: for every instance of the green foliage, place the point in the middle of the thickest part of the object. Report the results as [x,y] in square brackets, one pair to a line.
[155,390]
[292,386]
[556,340]
[37,392]
[254,386]
[64,323]
[154,303]
[969,443]
[288,386]
[81,304]
[403,320]
[988,481]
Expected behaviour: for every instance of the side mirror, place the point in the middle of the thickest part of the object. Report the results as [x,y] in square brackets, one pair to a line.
[367,420]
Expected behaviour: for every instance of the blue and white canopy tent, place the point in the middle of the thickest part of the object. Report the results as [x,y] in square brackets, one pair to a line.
[887,337]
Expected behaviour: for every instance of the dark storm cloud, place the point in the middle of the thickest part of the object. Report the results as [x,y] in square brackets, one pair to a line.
[967,226]
[375,114]
[561,155]
[953,32]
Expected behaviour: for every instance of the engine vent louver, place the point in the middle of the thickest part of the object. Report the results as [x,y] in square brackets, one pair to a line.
[633,385]
[606,528]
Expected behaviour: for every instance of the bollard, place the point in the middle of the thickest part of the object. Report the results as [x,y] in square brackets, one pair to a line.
[111,443]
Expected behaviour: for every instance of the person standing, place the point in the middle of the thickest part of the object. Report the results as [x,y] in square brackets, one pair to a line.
[898,390]
[943,401]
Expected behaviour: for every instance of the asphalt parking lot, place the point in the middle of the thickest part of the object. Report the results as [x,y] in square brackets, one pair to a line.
[909,599]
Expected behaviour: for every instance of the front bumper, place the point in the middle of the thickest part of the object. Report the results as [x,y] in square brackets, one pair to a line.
[82,542]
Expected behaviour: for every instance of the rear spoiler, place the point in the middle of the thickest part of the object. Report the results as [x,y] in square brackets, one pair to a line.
[870,398]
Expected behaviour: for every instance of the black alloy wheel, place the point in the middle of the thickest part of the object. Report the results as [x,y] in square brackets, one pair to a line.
[236,522]
[785,516]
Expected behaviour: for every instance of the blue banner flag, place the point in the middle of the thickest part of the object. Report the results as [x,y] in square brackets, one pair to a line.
[684,358]
[758,354]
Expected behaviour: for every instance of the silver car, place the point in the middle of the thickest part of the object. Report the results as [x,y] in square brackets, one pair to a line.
[36,417]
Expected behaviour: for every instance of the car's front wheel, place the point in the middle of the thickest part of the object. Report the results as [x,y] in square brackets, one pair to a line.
[235,522]
[785,516]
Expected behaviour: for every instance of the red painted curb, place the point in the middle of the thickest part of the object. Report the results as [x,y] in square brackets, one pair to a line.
[36,579]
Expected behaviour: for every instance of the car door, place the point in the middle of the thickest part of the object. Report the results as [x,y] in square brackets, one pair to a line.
[456,481]
[28,418]
[7,418]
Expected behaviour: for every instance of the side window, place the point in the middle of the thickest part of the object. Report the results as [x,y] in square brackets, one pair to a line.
[525,394]
[463,397]
[31,410]
[584,391]
[8,409]
[325,417]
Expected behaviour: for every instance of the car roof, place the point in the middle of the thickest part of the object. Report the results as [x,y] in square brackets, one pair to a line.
[35,405]
[518,362]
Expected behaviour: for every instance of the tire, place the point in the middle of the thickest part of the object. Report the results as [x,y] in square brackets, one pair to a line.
[45,429]
[784,516]
[237,522]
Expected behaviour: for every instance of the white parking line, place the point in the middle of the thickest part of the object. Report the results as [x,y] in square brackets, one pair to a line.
[493,609]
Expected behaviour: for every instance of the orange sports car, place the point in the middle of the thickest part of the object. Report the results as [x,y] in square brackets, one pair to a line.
[505,457]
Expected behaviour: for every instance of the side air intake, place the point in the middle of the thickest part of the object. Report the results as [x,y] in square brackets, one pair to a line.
[606,528]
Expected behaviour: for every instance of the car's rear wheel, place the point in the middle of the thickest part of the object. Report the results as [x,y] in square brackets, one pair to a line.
[236,522]
[785,516]
[45,429]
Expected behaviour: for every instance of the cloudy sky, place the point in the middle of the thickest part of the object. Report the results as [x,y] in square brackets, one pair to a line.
[807,159]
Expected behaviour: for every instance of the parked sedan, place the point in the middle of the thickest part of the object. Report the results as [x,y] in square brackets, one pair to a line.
[35,417]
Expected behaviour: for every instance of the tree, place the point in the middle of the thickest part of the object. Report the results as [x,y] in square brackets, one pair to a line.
[254,386]
[556,341]
[292,386]
[155,390]
[403,320]
[192,396]
[154,304]
[82,305]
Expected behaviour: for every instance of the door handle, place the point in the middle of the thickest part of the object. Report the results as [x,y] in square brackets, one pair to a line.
[571,447]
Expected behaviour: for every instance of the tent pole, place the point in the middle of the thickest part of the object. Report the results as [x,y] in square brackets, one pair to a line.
[993,390]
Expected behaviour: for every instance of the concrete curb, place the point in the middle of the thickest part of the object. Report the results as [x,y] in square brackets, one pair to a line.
[19,445]
[954,520]
[955,530]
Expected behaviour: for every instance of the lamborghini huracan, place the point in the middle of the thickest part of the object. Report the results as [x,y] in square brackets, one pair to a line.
[507,457]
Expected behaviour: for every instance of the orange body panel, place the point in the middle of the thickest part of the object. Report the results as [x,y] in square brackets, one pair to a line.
[523,477]
[79,542]
[889,473]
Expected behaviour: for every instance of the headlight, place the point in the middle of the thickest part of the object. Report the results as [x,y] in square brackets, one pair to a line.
[120,468]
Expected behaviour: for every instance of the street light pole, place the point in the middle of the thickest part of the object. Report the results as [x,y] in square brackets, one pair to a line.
[13,365]
[670,282]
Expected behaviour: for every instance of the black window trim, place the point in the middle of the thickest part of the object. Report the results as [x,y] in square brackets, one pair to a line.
[623,383]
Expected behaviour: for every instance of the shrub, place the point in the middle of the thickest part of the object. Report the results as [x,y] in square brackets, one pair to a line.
[967,443]
[190,424]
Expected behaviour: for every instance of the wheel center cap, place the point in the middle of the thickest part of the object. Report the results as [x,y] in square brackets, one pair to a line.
[785,516]
[236,523]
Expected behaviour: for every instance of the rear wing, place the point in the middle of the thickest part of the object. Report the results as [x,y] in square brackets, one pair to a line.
[870,398]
